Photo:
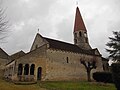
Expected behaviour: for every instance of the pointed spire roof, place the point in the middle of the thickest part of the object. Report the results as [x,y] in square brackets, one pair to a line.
[79,24]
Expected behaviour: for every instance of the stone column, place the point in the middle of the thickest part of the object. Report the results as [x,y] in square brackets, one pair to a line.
[23,70]
[29,69]
[22,76]
[29,73]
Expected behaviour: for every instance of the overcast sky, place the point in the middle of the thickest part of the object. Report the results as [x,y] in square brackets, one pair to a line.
[55,19]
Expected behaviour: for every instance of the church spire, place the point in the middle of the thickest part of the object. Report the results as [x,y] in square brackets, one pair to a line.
[80,32]
[79,24]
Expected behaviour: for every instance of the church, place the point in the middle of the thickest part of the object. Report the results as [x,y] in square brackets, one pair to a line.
[54,60]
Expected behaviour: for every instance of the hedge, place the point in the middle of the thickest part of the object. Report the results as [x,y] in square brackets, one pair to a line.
[105,77]
[116,74]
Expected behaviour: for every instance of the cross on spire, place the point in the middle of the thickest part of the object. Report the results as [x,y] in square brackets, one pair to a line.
[77,2]
[38,30]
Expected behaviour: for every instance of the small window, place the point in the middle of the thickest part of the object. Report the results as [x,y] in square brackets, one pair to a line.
[80,34]
[75,35]
[86,40]
[36,46]
[67,60]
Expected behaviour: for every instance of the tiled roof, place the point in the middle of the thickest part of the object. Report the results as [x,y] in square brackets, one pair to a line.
[79,23]
[55,44]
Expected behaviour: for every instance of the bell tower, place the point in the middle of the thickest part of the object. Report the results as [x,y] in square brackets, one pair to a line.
[80,32]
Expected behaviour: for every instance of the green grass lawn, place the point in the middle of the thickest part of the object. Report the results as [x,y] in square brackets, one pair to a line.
[57,86]
[76,86]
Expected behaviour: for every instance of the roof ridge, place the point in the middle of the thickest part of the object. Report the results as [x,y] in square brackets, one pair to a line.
[3,51]
[59,41]
[17,52]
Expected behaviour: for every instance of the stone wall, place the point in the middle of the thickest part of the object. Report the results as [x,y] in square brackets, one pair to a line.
[67,66]
[36,57]
[2,66]
[9,70]
[38,42]
[55,64]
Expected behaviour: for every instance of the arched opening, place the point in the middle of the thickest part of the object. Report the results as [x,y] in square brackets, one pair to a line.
[39,73]
[75,35]
[20,69]
[80,34]
[32,68]
[26,69]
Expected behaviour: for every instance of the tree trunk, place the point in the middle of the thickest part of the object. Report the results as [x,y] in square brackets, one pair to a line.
[88,75]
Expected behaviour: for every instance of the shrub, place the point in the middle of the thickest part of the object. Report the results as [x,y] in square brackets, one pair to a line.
[105,77]
[116,74]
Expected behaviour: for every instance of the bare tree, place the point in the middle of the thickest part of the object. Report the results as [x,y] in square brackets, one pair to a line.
[3,22]
[89,65]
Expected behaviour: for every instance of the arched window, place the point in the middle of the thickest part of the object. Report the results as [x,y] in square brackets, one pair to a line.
[26,69]
[80,34]
[20,69]
[32,69]
[75,35]
[39,73]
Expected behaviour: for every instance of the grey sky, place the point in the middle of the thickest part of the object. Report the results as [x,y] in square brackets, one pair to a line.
[55,19]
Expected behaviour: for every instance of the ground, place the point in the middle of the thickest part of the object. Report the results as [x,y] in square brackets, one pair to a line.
[77,85]
[55,85]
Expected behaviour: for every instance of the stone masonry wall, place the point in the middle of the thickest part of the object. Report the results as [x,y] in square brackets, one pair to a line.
[36,57]
[2,66]
[58,68]
[56,64]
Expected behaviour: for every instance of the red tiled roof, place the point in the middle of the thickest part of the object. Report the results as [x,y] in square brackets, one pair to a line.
[79,24]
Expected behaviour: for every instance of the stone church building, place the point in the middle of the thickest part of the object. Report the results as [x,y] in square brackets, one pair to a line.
[50,59]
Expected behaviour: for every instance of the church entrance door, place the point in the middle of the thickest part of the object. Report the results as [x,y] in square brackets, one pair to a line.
[39,73]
